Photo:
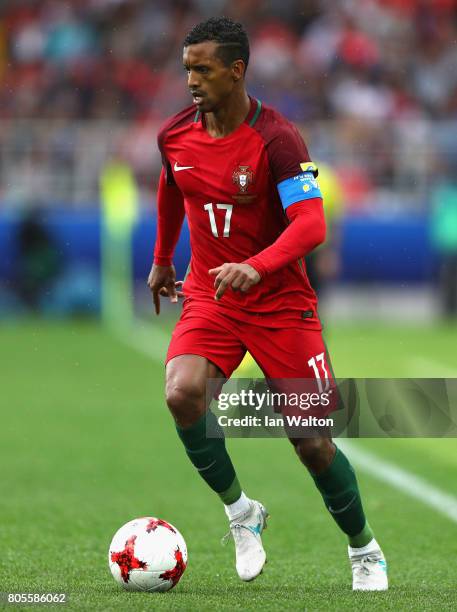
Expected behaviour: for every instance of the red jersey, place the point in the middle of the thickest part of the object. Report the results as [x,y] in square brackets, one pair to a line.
[234,209]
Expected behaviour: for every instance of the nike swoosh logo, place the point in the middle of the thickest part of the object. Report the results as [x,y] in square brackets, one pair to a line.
[207,467]
[255,530]
[178,168]
[332,511]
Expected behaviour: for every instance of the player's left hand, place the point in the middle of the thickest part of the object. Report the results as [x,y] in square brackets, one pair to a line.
[238,276]
[165,292]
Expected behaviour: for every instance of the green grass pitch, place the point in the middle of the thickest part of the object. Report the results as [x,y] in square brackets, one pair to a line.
[86,444]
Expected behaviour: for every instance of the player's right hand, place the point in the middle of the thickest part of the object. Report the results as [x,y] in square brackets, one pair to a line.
[162,281]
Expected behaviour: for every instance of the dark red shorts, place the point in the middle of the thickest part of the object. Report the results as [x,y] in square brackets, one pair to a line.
[291,352]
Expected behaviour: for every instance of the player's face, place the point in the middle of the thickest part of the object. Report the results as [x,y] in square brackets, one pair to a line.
[210,81]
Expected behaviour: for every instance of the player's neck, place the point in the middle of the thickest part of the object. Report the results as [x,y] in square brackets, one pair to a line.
[226,119]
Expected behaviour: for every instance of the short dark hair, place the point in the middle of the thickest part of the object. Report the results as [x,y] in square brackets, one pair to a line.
[231,37]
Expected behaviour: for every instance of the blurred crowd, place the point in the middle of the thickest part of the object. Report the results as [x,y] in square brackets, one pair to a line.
[85,84]
[312,59]
[372,84]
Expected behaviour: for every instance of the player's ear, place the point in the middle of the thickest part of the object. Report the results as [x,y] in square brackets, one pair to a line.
[238,69]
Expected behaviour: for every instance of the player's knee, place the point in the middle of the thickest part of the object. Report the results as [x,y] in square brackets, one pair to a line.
[185,400]
[315,453]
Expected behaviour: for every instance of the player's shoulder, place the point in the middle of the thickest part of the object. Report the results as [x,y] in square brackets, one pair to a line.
[286,150]
[175,122]
[272,125]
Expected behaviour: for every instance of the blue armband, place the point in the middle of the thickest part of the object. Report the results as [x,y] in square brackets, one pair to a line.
[304,186]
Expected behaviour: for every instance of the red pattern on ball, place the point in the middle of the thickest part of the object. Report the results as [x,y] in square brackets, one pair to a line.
[154,523]
[126,559]
[175,574]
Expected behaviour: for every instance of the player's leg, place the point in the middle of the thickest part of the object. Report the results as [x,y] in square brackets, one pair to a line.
[186,377]
[301,354]
[186,380]
[335,479]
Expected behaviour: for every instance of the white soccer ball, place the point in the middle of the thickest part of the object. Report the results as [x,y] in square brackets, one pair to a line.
[147,554]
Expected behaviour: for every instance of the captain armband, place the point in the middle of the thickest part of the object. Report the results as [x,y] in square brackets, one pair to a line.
[303,186]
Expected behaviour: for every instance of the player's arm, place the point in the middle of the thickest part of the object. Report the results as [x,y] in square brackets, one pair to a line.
[301,199]
[170,217]
[304,233]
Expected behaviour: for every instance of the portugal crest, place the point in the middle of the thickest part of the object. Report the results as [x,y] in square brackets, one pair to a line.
[243,177]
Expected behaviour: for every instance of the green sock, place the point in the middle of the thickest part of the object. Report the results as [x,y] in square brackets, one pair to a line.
[210,457]
[362,538]
[340,491]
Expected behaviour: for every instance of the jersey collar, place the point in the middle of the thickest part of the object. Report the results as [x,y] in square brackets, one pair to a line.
[251,117]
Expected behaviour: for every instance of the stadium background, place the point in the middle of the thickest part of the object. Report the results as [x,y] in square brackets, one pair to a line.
[86,441]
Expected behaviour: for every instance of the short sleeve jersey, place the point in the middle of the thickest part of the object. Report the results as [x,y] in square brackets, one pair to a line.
[235,190]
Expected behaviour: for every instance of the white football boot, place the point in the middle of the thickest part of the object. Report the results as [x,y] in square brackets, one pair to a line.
[369,568]
[246,530]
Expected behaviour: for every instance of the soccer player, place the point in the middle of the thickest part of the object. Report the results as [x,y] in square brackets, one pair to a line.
[242,175]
